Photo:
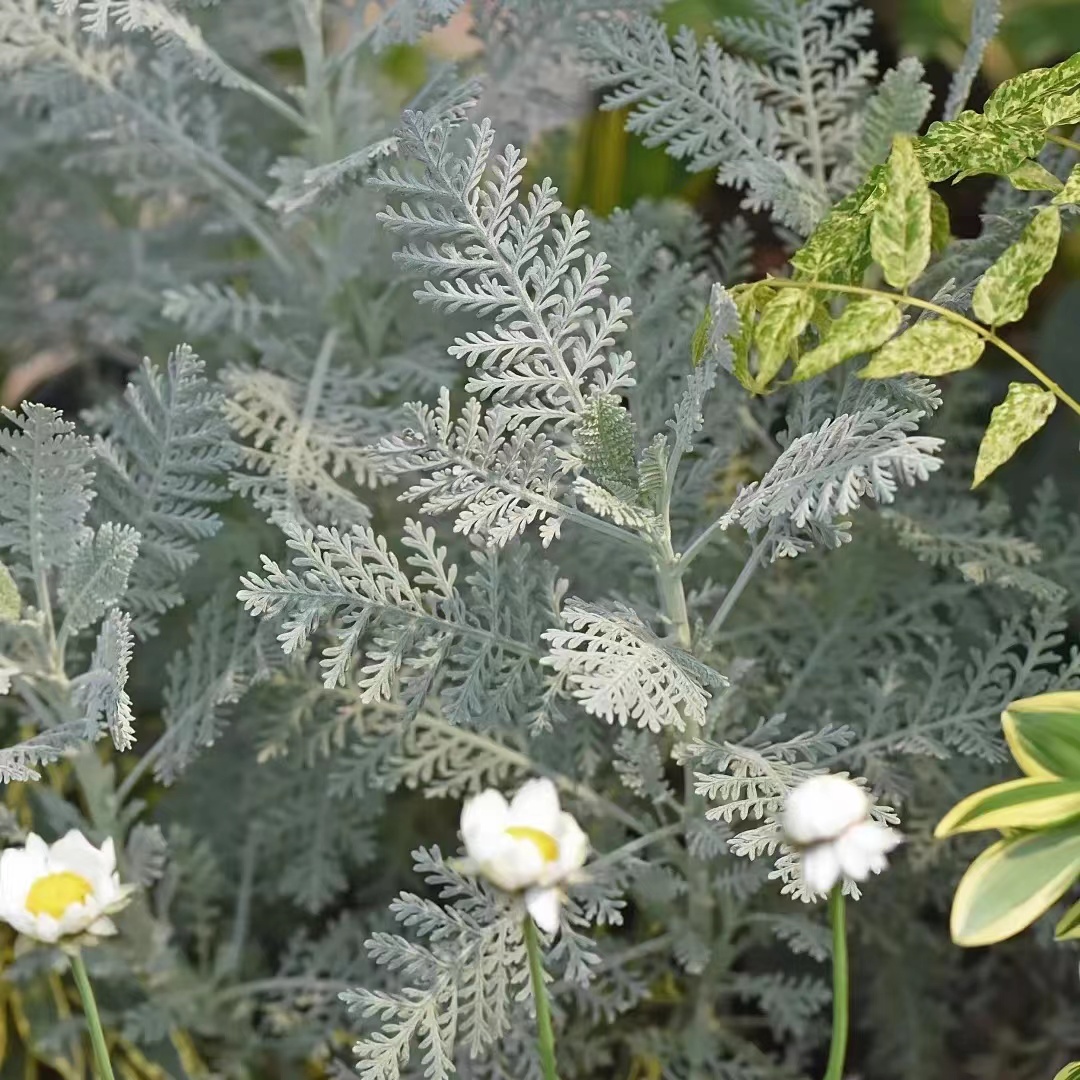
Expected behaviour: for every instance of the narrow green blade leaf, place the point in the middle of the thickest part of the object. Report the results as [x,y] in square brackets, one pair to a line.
[1031,176]
[1030,803]
[1025,409]
[784,318]
[1002,294]
[900,226]
[1043,733]
[1012,883]
[861,327]
[1070,193]
[1068,929]
[931,347]
[10,601]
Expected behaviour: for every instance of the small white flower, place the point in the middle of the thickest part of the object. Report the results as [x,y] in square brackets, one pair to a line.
[828,818]
[527,845]
[51,891]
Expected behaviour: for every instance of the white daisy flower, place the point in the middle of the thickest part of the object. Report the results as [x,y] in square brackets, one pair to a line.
[828,819]
[527,845]
[51,891]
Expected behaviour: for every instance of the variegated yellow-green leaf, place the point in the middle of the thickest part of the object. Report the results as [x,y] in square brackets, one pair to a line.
[1002,294]
[783,319]
[1012,883]
[1062,109]
[1068,927]
[1030,803]
[900,225]
[931,347]
[861,327]
[1031,176]
[749,300]
[1043,733]
[940,226]
[10,601]
[1025,409]
[1070,193]
[1070,1072]
[838,250]
[974,143]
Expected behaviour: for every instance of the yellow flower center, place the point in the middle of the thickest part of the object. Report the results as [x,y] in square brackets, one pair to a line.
[544,842]
[55,893]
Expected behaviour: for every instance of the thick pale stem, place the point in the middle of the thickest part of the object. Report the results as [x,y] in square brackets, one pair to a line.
[838,1050]
[93,1020]
[545,1034]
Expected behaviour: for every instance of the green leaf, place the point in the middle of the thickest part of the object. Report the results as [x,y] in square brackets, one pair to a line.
[838,250]
[1068,929]
[900,226]
[1062,110]
[1070,193]
[784,318]
[10,601]
[861,327]
[940,226]
[973,143]
[1012,883]
[1043,733]
[1025,409]
[1003,291]
[1031,176]
[1030,803]
[749,300]
[1070,1072]
[931,347]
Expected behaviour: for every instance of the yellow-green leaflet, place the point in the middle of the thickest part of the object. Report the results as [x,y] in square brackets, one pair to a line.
[1029,803]
[1070,193]
[900,227]
[940,226]
[1025,409]
[10,601]
[1012,883]
[1002,294]
[931,347]
[1070,1072]
[1068,929]
[783,319]
[861,327]
[1031,176]
[1043,733]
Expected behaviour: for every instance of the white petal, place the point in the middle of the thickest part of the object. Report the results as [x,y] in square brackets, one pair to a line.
[44,928]
[820,868]
[103,927]
[18,871]
[483,813]
[822,808]
[37,849]
[536,805]
[573,849]
[543,906]
[517,864]
[862,850]
[20,920]
[75,854]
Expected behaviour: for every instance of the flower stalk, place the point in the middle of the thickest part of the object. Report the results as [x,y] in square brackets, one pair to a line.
[545,1034]
[93,1019]
[834,1070]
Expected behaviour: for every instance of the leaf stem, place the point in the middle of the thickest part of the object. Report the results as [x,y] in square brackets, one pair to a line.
[834,1070]
[93,1020]
[1069,144]
[545,1034]
[926,305]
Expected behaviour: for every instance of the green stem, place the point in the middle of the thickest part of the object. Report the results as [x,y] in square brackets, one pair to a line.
[545,1034]
[926,305]
[1069,144]
[93,1021]
[838,1051]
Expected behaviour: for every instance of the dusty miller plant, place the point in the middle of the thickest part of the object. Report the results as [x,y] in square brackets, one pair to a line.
[626,557]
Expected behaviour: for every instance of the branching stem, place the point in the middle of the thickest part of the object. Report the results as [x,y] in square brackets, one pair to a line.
[960,320]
